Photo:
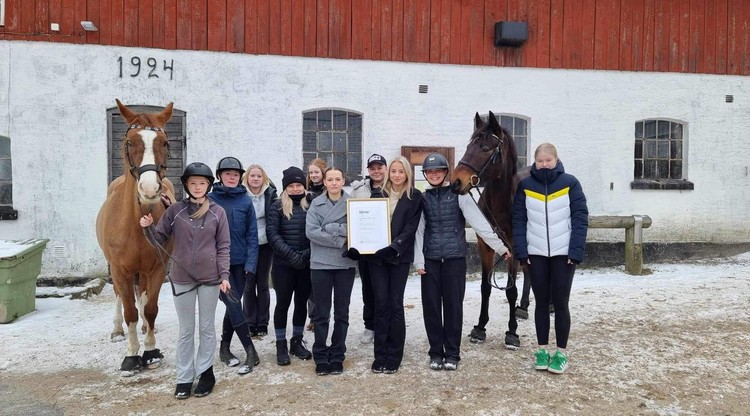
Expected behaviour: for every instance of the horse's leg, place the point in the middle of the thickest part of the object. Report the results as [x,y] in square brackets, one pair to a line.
[117,333]
[522,311]
[150,287]
[512,341]
[486,255]
[123,282]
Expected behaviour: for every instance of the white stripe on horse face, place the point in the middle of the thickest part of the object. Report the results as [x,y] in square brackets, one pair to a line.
[148,183]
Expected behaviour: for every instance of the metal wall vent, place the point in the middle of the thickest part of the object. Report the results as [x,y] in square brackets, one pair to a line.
[729,98]
[422,88]
[59,251]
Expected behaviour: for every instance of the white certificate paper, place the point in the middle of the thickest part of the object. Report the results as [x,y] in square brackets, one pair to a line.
[369,224]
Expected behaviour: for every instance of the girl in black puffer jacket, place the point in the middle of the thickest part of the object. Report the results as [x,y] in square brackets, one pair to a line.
[290,274]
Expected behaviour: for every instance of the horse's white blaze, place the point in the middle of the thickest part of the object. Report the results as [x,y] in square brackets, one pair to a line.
[148,183]
[133,344]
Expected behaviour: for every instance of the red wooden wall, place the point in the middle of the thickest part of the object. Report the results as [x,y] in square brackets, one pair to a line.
[698,36]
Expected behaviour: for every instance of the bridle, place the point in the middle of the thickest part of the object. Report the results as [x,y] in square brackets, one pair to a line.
[137,171]
[497,151]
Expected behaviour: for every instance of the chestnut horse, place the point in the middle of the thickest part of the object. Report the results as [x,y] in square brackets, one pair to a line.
[135,266]
[490,161]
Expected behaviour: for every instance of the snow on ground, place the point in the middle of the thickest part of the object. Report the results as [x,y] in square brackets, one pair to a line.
[664,343]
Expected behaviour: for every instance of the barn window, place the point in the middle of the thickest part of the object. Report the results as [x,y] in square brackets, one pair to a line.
[518,127]
[334,135]
[6,182]
[176,128]
[660,155]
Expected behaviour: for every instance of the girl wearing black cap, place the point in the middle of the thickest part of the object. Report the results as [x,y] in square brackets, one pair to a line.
[199,271]
[291,263]
[232,196]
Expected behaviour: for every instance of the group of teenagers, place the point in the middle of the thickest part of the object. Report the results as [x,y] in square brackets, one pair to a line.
[232,231]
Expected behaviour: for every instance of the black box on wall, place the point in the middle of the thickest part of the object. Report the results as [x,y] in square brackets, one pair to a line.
[511,33]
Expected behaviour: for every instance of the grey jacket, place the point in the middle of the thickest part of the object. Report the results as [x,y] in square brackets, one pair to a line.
[326,228]
[363,189]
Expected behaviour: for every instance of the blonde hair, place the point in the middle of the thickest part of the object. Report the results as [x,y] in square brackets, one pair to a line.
[321,164]
[408,188]
[548,148]
[246,175]
[287,204]
[202,210]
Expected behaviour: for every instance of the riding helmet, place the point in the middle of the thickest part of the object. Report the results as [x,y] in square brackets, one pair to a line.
[197,169]
[228,163]
[434,161]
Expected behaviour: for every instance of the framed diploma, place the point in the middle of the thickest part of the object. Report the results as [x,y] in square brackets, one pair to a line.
[368,224]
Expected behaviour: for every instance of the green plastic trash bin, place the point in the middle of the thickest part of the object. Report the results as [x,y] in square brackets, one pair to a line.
[20,264]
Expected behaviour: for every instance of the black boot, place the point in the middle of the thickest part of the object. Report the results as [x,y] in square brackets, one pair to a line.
[226,355]
[282,353]
[297,348]
[183,390]
[250,361]
[206,383]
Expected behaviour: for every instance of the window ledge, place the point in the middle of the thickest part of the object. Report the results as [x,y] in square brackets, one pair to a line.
[8,213]
[663,184]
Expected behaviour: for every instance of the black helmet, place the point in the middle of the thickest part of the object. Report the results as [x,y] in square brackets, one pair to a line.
[197,169]
[434,161]
[227,163]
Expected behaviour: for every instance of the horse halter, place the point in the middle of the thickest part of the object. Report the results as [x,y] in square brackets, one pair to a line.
[497,151]
[137,171]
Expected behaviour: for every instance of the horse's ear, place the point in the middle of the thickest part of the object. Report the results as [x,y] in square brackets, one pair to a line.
[493,122]
[128,115]
[478,122]
[166,114]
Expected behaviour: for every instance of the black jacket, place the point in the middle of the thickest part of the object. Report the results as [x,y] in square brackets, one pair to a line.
[290,245]
[404,223]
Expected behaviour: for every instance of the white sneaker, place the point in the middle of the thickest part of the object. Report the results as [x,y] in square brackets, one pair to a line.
[368,336]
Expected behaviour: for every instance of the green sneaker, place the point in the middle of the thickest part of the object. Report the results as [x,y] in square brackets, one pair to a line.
[542,359]
[558,364]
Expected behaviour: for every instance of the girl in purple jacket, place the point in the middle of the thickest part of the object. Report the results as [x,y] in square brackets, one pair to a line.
[199,269]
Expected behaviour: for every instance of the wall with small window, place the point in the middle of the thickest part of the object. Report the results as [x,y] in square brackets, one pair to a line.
[630,138]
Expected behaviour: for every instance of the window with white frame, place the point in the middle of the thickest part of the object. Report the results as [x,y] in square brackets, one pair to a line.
[334,135]
[6,182]
[2,12]
[660,155]
[518,128]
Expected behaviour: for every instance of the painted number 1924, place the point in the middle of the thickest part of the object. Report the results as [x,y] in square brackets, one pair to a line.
[150,68]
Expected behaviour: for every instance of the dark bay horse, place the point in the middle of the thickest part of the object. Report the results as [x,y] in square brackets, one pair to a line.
[490,161]
[136,269]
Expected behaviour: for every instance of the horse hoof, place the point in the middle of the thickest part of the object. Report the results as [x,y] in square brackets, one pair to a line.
[117,337]
[512,342]
[152,359]
[522,313]
[477,335]
[130,365]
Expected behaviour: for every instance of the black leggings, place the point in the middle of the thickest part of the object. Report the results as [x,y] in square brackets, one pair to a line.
[288,282]
[551,280]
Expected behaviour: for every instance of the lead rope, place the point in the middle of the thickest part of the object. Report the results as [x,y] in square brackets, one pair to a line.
[492,279]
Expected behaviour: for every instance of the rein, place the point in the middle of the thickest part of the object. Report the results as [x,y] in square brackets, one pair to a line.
[145,168]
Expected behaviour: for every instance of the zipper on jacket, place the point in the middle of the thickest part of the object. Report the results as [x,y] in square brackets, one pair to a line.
[546,215]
